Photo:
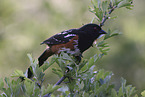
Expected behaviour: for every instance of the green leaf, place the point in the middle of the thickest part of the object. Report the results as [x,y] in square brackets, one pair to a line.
[30,58]
[114,93]
[1,84]
[7,80]
[105,6]
[99,14]
[102,44]
[50,88]
[57,72]
[55,88]
[120,93]
[18,73]
[100,74]
[111,34]
[113,17]
[123,84]
[130,7]
[84,68]
[124,4]
[99,3]
[91,10]
[47,65]
[115,2]
[82,64]
[90,62]
[108,77]
[66,56]
[108,34]
[143,93]
[114,34]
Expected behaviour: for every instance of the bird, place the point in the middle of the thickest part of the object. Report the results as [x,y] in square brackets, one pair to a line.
[73,42]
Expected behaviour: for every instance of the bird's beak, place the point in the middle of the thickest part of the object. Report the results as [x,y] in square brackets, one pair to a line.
[102,32]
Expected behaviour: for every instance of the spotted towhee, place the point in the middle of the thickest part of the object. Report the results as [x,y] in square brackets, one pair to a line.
[73,42]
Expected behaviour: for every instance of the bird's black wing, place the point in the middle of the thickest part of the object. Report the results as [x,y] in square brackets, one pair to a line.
[61,38]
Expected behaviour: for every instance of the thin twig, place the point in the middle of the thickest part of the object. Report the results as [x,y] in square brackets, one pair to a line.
[106,17]
[58,83]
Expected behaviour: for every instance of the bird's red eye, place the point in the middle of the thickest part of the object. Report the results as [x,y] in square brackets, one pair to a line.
[95,27]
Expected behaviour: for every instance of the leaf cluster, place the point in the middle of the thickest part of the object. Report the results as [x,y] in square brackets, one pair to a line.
[82,80]
[28,87]
[103,8]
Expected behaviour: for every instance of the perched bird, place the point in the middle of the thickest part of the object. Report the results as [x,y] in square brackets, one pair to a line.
[73,42]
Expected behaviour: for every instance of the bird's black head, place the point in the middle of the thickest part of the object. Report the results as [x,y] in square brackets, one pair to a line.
[93,30]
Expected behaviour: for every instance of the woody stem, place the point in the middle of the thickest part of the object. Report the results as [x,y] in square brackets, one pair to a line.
[106,17]
[58,83]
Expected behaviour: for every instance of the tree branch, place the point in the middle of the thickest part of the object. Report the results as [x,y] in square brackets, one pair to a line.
[58,83]
[107,17]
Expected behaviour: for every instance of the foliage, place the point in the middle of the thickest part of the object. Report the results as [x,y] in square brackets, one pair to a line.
[82,80]
[103,8]
[27,88]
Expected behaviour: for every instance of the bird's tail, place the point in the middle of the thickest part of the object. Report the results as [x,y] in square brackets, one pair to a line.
[43,57]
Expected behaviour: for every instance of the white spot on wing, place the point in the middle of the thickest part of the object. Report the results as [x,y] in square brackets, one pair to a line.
[65,32]
[55,39]
[69,35]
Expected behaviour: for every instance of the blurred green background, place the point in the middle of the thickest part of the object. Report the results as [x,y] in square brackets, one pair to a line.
[24,24]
